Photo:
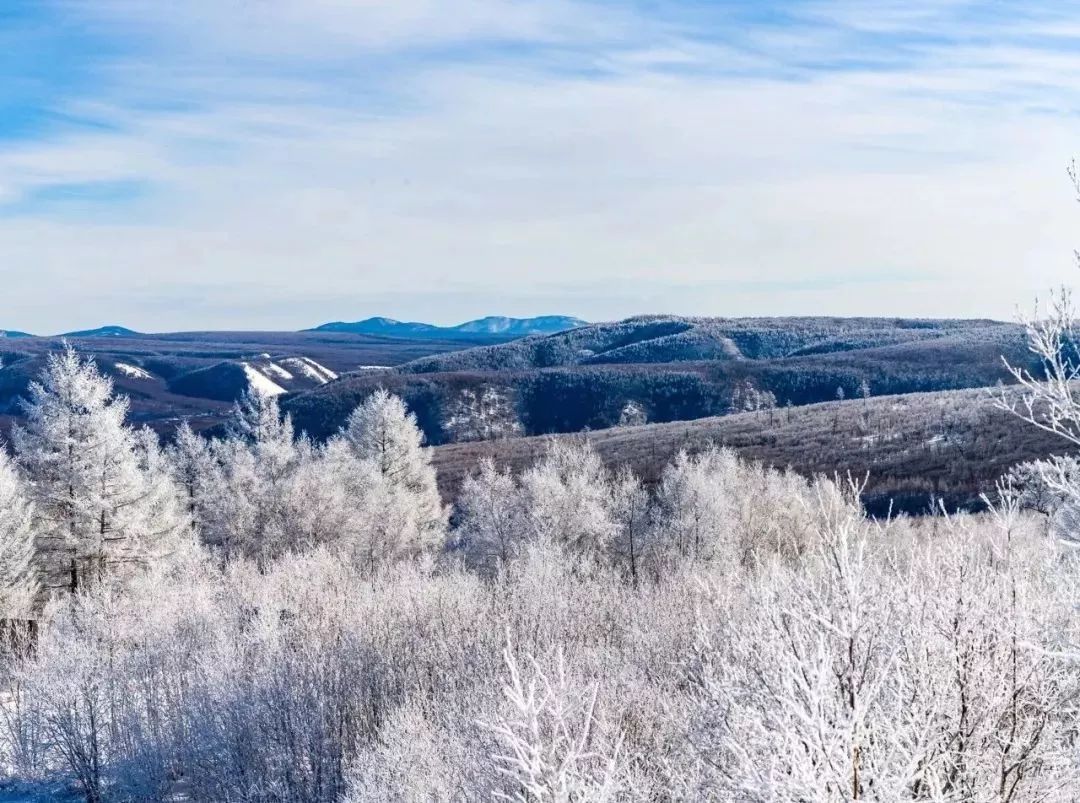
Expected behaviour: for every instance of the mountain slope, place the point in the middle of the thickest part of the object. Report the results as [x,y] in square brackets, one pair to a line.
[667,339]
[948,445]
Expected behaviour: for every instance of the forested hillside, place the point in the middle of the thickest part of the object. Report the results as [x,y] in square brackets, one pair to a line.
[663,339]
[914,451]
[584,379]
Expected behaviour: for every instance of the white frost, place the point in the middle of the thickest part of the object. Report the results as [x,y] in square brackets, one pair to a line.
[261,384]
[310,369]
[277,371]
[134,371]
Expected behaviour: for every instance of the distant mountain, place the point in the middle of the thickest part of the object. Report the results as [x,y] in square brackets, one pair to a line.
[492,325]
[10,333]
[542,325]
[380,326]
[103,331]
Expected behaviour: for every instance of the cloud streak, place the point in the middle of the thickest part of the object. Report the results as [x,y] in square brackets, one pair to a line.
[278,160]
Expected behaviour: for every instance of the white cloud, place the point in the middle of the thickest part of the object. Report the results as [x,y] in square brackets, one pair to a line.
[682,176]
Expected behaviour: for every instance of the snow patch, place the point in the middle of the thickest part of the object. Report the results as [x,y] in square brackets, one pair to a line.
[133,371]
[310,369]
[277,371]
[259,383]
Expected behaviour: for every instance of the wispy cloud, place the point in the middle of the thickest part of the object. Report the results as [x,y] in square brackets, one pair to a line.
[338,156]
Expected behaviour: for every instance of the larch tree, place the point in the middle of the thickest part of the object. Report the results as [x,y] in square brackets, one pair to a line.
[250,514]
[394,478]
[18,571]
[191,464]
[97,508]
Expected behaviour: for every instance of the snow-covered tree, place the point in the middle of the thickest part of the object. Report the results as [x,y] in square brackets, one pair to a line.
[633,414]
[383,436]
[18,569]
[714,506]
[568,501]
[748,397]
[250,512]
[695,502]
[630,510]
[96,507]
[490,523]
[195,472]
[482,416]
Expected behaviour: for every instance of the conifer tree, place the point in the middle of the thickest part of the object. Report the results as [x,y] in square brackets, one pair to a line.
[97,509]
[18,572]
[394,482]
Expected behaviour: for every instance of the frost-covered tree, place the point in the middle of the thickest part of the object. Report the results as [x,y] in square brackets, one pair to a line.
[257,420]
[482,416]
[568,501]
[18,569]
[633,414]
[97,509]
[695,499]
[395,468]
[714,506]
[490,522]
[250,512]
[632,546]
[195,472]
[748,397]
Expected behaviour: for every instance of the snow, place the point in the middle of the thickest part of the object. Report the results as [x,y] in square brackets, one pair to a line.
[133,371]
[310,369]
[277,371]
[259,383]
[372,367]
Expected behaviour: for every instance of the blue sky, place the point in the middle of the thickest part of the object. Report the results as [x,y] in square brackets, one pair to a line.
[278,163]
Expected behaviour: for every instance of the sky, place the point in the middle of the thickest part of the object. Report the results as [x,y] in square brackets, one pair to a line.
[274,164]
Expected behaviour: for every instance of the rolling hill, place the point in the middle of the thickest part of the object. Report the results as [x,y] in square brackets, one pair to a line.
[197,375]
[664,339]
[677,369]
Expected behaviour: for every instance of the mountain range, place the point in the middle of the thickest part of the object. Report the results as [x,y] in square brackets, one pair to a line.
[491,325]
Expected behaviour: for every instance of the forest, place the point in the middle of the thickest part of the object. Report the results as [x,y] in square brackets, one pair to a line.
[263,617]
